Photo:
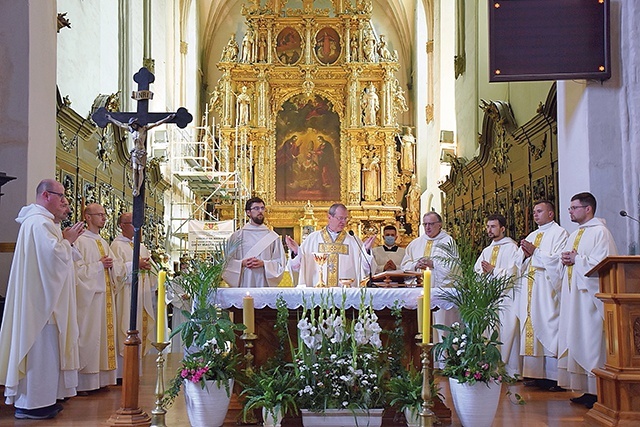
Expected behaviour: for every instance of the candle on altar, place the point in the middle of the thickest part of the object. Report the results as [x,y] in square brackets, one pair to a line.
[247,314]
[426,307]
[162,308]
[420,314]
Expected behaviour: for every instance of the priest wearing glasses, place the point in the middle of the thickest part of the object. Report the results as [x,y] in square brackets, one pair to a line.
[347,257]
[258,260]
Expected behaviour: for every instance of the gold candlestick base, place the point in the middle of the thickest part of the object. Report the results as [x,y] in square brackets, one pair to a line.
[158,413]
[427,417]
[249,418]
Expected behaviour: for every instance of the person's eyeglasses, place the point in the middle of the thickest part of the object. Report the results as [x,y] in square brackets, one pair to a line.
[430,224]
[61,195]
[341,218]
[258,209]
[101,215]
[573,208]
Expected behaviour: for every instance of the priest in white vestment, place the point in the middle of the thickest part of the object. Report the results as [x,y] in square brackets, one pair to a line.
[499,259]
[347,256]
[258,258]
[581,342]
[540,275]
[96,275]
[427,252]
[388,256]
[122,249]
[39,335]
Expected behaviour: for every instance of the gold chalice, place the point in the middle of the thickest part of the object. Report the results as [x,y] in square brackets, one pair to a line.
[346,283]
[321,260]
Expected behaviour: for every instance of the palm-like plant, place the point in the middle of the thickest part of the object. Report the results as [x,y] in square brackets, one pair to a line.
[470,350]
[208,333]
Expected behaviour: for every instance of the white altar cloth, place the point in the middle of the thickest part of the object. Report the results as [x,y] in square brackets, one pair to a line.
[294,297]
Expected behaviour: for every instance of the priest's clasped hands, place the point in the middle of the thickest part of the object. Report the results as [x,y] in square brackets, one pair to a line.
[252,263]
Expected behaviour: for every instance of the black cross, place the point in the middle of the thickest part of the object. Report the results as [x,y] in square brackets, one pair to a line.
[182,118]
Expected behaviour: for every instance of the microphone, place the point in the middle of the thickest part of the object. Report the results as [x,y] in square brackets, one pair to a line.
[364,256]
[624,213]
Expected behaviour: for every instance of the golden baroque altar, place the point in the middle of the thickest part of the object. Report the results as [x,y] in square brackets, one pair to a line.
[308,106]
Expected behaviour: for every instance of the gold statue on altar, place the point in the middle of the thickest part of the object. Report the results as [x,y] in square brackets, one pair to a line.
[324,101]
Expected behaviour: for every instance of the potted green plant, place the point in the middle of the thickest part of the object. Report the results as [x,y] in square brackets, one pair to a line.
[404,391]
[272,389]
[211,359]
[470,349]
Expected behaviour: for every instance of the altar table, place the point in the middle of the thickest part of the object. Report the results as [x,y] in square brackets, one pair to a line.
[381,298]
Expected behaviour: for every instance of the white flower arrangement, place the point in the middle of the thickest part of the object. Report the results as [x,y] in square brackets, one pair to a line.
[339,359]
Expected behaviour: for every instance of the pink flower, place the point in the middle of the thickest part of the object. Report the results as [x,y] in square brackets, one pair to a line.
[477,375]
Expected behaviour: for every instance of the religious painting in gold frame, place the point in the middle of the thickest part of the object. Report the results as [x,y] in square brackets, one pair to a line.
[327,45]
[288,46]
[307,150]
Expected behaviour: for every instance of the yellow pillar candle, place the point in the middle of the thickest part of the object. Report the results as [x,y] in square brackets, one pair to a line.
[162,307]
[426,307]
[248,314]
[420,313]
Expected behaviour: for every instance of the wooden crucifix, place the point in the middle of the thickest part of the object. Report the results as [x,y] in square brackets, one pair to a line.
[138,123]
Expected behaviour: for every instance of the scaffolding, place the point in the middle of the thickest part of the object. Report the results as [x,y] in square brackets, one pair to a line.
[205,171]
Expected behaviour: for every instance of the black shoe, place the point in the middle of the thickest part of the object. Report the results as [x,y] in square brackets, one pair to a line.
[556,389]
[586,399]
[45,413]
[531,383]
[547,384]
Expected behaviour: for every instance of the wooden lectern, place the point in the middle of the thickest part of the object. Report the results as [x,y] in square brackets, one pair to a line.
[619,381]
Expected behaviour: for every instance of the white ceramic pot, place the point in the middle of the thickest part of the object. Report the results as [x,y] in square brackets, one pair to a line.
[475,404]
[272,418]
[207,407]
[412,416]
[342,418]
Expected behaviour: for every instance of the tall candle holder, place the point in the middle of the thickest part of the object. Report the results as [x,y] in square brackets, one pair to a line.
[248,418]
[427,416]
[158,413]
[248,356]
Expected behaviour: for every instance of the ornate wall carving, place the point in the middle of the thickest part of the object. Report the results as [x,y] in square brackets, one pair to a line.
[516,167]
[95,168]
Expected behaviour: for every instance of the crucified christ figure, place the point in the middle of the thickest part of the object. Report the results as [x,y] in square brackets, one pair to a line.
[139,151]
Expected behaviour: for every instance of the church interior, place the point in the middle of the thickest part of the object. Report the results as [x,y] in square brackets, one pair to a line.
[386,106]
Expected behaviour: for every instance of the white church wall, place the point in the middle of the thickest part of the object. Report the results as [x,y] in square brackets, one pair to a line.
[430,167]
[27,118]
[87,52]
[599,134]
[423,131]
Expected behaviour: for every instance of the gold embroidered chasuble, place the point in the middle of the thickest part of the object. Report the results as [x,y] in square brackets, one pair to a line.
[334,249]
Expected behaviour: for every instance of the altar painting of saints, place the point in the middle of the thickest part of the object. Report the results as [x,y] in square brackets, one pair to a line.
[307,150]
[288,46]
[327,47]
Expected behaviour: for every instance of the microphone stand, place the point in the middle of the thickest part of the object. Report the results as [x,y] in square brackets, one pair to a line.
[364,255]
[625,214]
